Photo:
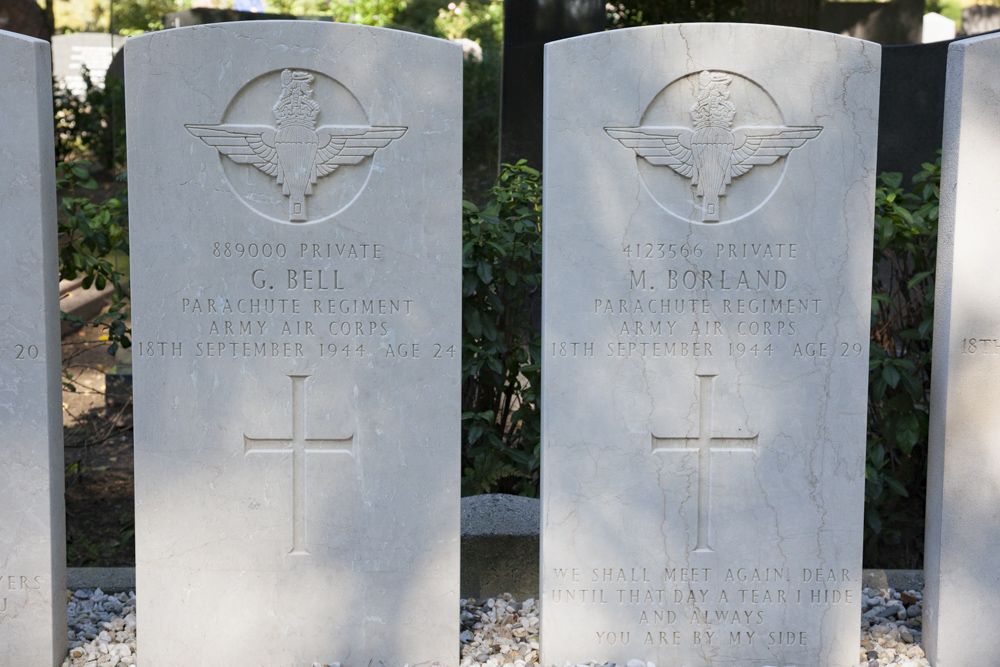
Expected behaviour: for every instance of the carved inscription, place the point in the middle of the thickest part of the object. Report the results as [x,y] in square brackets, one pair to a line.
[296,153]
[711,300]
[10,583]
[296,301]
[714,152]
[980,346]
[703,445]
[299,445]
[703,606]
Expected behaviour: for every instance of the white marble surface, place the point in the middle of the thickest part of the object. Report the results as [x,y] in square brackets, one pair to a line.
[732,320]
[32,515]
[937,28]
[342,343]
[963,483]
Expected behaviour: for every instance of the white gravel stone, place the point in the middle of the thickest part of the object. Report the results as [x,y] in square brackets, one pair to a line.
[496,633]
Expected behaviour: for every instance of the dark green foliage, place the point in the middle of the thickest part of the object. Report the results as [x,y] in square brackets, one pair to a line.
[631,13]
[481,122]
[501,344]
[94,244]
[92,128]
[899,380]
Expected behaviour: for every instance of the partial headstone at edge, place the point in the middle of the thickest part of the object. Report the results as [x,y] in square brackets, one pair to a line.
[32,514]
[962,545]
[295,210]
[707,294]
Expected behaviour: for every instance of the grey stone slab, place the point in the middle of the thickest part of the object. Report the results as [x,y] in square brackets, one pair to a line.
[499,546]
[499,514]
[295,201]
[709,196]
[32,515]
[108,579]
[963,480]
[901,580]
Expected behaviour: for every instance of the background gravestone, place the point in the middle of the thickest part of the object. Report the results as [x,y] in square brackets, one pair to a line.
[978,19]
[32,515]
[963,478]
[296,250]
[909,129]
[897,22]
[527,26]
[707,288]
[203,15]
[72,51]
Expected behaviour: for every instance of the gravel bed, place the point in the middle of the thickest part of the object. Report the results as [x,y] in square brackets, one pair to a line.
[101,629]
[495,632]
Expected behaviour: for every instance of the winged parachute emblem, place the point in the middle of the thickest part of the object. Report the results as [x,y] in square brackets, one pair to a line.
[296,152]
[713,153]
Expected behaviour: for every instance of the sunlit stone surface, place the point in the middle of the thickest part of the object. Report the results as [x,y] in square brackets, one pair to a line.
[709,197]
[295,196]
[32,515]
[963,480]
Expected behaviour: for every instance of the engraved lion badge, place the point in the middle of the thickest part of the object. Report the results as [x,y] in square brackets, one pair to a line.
[296,153]
[713,153]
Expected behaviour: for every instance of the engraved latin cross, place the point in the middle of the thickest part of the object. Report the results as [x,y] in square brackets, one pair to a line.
[299,445]
[705,443]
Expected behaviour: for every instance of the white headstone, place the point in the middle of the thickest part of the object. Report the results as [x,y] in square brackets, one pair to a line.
[74,51]
[296,270]
[32,514]
[937,28]
[707,281]
[962,545]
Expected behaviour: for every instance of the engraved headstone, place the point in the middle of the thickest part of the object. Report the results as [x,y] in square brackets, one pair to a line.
[708,240]
[296,223]
[32,515]
[74,51]
[963,478]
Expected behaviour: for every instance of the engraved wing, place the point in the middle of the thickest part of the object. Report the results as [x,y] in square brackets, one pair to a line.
[350,144]
[243,144]
[764,145]
[662,146]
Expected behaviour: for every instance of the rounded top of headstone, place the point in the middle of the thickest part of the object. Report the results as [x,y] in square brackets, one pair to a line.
[499,514]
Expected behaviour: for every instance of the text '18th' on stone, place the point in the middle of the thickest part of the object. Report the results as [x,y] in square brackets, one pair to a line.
[707,273]
[32,515]
[963,474]
[295,201]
